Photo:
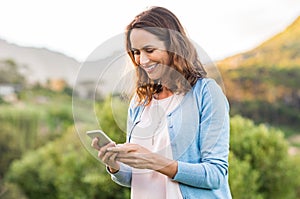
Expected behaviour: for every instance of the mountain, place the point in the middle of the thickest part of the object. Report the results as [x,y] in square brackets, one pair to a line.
[41,64]
[103,76]
[263,83]
[102,72]
[281,50]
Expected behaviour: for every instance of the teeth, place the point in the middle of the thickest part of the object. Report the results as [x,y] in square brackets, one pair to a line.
[151,67]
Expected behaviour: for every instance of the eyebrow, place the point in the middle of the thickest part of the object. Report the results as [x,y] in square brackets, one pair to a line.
[145,47]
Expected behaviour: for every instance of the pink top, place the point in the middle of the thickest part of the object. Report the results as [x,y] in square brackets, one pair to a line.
[152,133]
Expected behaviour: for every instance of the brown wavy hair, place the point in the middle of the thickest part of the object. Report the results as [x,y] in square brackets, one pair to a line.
[182,53]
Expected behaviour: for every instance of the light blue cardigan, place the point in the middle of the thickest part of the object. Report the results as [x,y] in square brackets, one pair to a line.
[199,134]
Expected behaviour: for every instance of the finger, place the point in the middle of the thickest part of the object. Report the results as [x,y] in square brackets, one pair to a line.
[103,150]
[113,157]
[100,155]
[130,162]
[116,149]
[103,154]
[112,163]
[123,149]
[111,144]
[94,143]
[109,158]
[131,155]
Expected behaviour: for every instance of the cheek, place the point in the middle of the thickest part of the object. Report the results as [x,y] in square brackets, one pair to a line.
[166,59]
[160,57]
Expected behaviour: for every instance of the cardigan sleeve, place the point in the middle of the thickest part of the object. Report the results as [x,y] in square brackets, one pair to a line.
[123,176]
[212,169]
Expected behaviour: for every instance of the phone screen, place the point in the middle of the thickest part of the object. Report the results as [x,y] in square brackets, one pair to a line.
[103,138]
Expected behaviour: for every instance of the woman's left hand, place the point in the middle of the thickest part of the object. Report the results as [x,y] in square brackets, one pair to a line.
[139,157]
[134,155]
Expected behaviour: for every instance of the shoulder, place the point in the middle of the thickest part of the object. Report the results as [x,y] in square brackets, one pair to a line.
[204,84]
[208,90]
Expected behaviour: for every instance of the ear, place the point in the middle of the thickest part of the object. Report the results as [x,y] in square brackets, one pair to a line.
[177,62]
[175,59]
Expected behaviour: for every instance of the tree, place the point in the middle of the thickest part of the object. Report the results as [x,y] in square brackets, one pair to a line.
[243,179]
[259,164]
[263,152]
[63,169]
[10,74]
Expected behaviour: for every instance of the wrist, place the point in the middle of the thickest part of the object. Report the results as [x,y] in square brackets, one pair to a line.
[172,169]
[112,170]
[169,169]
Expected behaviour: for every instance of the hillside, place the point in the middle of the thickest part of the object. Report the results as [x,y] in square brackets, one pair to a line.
[42,64]
[263,83]
[281,50]
[101,73]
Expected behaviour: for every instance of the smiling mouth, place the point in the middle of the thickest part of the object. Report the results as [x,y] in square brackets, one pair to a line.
[150,68]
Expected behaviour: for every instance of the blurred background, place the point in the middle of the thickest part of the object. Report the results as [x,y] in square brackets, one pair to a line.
[46,45]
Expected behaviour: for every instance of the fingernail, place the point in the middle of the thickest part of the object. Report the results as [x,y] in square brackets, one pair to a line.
[109,149]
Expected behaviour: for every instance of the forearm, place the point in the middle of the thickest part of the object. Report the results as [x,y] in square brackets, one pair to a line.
[165,166]
[170,170]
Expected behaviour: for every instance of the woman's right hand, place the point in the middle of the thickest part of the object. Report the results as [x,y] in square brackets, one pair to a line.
[107,157]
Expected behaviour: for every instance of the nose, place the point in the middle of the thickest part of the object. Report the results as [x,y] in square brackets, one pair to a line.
[143,59]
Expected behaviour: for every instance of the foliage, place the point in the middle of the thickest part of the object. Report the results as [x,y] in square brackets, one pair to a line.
[2,101]
[9,148]
[9,73]
[59,117]
[265,151]
[23,125]
[276,114]
[11,191]
[262,84]
[63,169]
[265,94]
[267,75]
[243,179]
[28,126]
[259,163]
[112,114]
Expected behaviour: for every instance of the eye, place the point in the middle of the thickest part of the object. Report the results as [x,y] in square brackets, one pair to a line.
[135,52]
[149,50]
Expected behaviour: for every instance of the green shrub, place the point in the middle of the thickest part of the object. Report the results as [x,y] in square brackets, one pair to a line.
[260,166]
[63,169]
[243,179]
[266,152]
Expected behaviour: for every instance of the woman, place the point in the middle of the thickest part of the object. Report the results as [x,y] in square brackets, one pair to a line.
[178,122]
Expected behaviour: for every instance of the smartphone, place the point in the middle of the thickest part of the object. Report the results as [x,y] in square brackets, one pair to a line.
[103,138]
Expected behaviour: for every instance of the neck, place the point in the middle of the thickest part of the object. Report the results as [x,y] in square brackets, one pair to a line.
[163,94]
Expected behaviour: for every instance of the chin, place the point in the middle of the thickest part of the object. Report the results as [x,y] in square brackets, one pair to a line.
[154,77]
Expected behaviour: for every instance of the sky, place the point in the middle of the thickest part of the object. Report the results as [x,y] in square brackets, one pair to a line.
[77,27]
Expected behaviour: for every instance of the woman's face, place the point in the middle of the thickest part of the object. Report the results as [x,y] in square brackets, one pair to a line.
[149,53]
